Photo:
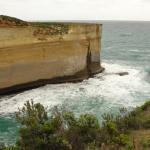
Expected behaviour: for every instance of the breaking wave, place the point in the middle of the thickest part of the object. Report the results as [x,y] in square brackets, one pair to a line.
[106,92]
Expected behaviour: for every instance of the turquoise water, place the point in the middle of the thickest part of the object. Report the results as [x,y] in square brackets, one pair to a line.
[125,47]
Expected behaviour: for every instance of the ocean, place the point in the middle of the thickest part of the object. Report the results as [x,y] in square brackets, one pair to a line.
[125,48]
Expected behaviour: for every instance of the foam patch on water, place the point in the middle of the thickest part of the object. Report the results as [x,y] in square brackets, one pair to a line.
[135,50]
[106,92]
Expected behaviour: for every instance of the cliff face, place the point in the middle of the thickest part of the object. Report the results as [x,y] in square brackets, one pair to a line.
[35,55]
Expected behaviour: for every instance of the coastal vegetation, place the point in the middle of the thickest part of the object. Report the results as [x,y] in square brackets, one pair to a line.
[45,28]
[62,130]
[52,28]
[11,21]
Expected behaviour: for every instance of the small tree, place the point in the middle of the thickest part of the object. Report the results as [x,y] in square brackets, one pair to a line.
[38,131]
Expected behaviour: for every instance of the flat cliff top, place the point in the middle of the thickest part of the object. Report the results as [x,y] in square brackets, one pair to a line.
[50,28]
[15,32]
[12,21]
[53,28]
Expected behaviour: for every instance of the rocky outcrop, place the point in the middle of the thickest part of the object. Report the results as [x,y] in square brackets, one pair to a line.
[42,53]
[10,21]
[122,73]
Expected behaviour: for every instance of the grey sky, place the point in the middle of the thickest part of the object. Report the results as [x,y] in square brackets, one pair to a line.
[77,9]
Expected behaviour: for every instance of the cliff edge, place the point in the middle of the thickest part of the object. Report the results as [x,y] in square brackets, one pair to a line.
[33,54]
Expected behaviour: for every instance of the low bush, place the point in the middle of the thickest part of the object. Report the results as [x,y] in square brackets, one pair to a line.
[146,106]
[145,144]
[63,131]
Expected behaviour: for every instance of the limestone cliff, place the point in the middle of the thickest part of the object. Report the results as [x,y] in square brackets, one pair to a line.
[34,54]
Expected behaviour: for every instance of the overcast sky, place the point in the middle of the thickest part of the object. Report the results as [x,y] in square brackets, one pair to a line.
[77,9]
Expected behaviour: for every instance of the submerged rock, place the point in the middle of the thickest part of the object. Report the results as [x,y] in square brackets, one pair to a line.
[118,73]
[122,73]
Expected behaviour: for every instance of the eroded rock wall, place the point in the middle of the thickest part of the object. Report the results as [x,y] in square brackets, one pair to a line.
[31,55]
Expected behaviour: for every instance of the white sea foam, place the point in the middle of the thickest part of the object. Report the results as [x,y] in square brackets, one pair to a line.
[109,47]
[106,92]
[135,50]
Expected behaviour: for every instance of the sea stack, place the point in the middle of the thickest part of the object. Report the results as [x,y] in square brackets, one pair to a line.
[33,54]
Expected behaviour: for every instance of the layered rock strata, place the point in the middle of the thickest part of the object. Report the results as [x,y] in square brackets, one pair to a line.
[35,54]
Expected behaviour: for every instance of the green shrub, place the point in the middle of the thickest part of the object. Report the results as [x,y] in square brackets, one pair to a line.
[145,143]
[82,130]
[59,131]
[111,128]
[146,124]
[63,131]
[122,140]
[39,131]
[146,106]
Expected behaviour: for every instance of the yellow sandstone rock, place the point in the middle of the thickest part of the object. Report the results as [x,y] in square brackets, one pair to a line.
[33,54]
